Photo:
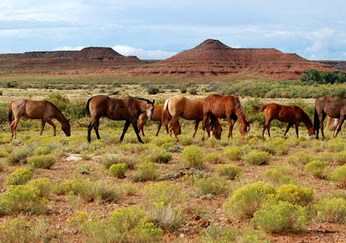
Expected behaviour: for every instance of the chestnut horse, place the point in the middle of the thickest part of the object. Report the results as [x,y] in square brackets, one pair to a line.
[128,109]
[334,107]
[293,115]
[158,115]
[189,109]
[32,109]
[225,107]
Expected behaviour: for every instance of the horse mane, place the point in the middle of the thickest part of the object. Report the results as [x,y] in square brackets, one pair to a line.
[56,108]
[140,98]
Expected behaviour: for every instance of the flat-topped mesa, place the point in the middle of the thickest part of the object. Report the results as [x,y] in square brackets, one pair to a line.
[211,44]
[99,53]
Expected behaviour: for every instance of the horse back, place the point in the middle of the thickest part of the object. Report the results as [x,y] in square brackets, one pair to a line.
[220,105]
[332,106]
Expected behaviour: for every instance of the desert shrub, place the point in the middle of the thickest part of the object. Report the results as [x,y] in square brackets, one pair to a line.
[19,176]
[18,156]
[340,158]
[336,145]
[193,91]
[162,192]
[277,146]
[105,193]
[108,160]
[2,166]
[280,175]
[3,152]
[192,157]
[215,234]
[62,188]
[118,170]
[245,201]
[83,169]
[43,185]
[22,199]
[16,230]
[339,175]
[331,210]
[132,221]
[59,100]
[233,153]
[42,150]
[316,168]
[215,186]
[161,157]
[146,171]
[230,171]
[256,157]
[213,158]
[299,159]
[281,217]
[153,90]
[295,194]
[41,161]
[160,200]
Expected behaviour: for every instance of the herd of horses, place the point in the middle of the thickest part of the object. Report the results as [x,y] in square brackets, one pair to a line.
[208,110]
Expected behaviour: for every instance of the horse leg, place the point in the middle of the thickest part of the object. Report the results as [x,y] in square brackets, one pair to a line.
[297,129]
[92,123]
[339,126]
[53,125]
[266,126]
[158,129]
[230,127]
[43,123]
[13,127]
[196,127]
[288,128]
[322,117]
[96,129]
[134,124]
[140,127]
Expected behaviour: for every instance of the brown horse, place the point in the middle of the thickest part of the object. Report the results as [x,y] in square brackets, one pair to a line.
[158,115]
[128,109]
[293,115]
[189,109]
[31,109]
[334,107]
[225,107]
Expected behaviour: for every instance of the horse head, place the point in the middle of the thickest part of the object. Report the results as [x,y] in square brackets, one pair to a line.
[66,127]
[244,128]
[311,131]
[149,109]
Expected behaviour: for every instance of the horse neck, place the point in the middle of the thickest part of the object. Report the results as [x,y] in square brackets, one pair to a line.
[58,115]
[241,116]
[306,120]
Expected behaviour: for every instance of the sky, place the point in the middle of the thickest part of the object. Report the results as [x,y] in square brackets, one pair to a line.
[158,29]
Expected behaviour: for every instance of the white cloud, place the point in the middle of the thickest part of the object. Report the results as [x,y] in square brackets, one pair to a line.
[142,54]
[69,48]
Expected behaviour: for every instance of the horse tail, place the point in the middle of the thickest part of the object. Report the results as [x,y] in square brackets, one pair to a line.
[259,108]
[165,108]
[87,110]
[10,115]
[316,121]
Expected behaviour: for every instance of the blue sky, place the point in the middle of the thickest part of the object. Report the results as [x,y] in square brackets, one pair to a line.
[157,29]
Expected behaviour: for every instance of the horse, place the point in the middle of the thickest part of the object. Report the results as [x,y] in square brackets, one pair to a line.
[158,115]
[228,107]
[189,109]
[334,107]
[32,109]
[293,115]
[128,109]
[330,121]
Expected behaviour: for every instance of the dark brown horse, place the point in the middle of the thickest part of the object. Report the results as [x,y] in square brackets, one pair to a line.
[293,115]
[31,109]
[334,107]
[158,115]
[128,109]
[225,107]
[188,109]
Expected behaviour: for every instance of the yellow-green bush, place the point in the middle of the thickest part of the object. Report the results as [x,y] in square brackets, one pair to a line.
[109,159]
[280,175]
[145,171]
[192,157]
[277,146]
[295,194]
[256,157]
[316,168]
[216,186]
[41,161]
[118,170]
[245,201]
[162,192]
[19,156]
[230,171]
[22,199]
[16,230]
[299,159]
[281,217]
[161,157]
[44,186]
[19,176]
[339,175]
[331,210]
[233,153]
[42,150]
[336,145]
[340,158]
[213,158]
